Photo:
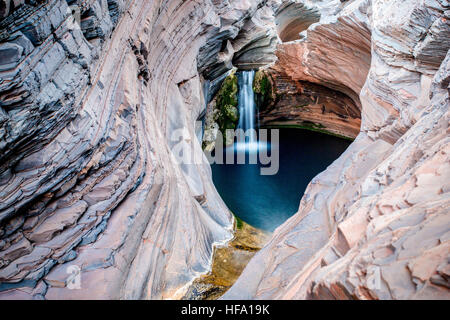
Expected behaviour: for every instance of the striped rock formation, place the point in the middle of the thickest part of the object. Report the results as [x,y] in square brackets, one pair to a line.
[99,99]
[376,223]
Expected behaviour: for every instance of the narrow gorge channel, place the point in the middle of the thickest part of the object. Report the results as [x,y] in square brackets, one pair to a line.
[266,200]
[235,149]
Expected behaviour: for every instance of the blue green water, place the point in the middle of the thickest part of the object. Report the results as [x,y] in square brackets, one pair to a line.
[267,201]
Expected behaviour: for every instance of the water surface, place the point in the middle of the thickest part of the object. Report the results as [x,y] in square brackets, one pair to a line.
[267,201]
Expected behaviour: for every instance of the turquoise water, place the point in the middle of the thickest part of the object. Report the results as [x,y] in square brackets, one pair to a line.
[267,201]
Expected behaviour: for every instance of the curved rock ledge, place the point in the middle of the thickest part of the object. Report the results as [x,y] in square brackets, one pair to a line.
[292,18]
[91,115]
[376,223]
[308,105]
[88,175]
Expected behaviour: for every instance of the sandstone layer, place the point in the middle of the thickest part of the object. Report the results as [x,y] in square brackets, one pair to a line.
[98,100]
[376,223]
[303,104]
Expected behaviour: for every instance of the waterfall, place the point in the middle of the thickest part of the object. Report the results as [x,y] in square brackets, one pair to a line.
[246,103]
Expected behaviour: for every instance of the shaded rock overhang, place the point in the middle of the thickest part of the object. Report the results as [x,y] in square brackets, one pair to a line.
[292,18]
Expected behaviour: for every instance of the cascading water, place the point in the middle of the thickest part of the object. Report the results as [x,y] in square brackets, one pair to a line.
[246,104]
[266,200]
[247,115]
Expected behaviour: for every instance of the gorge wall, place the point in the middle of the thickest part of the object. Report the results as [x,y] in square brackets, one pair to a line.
[376,223]
[303,104]
[89,181]
[94,114]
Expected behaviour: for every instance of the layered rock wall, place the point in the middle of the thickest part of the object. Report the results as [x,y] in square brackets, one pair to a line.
[376,223]
[293,18]
[94,115]
[95,112]
[308,105]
